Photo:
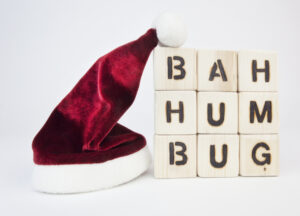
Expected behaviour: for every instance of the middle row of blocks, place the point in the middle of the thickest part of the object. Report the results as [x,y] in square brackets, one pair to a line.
[190,112]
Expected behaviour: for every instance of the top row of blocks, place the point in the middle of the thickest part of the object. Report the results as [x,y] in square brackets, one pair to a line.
[215,70]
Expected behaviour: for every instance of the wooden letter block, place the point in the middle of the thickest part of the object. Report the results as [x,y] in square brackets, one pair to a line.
[175,156]
[259,155]
[175,112]
[217,112]
[175,69]
[217,70]
[218,155]
[257,71]
[258,113]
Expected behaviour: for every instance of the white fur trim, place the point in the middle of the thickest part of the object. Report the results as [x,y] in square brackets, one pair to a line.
[90,177]
[170,29]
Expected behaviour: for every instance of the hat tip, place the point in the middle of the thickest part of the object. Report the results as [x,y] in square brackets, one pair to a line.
[171,29]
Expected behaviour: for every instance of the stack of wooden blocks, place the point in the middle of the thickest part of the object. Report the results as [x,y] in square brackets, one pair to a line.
[216,113]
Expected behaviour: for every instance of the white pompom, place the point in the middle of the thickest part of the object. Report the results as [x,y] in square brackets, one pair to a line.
[170,29]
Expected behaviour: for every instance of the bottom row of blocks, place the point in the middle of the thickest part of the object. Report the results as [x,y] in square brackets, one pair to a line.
[177,156]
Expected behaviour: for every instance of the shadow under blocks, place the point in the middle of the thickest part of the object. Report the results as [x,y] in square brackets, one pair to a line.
[216,113]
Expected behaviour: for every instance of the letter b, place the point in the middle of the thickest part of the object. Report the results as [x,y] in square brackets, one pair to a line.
[177,67]
[181,153]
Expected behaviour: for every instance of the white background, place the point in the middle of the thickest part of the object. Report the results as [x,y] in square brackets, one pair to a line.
[46,46]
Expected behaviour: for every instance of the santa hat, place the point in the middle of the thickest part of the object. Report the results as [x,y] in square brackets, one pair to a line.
[81,147]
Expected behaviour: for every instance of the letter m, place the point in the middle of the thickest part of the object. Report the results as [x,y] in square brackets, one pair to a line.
[254,111]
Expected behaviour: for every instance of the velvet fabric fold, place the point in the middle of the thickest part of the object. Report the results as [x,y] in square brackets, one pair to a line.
[83,127]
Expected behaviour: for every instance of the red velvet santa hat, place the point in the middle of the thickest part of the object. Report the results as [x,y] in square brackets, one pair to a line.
[81,147]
